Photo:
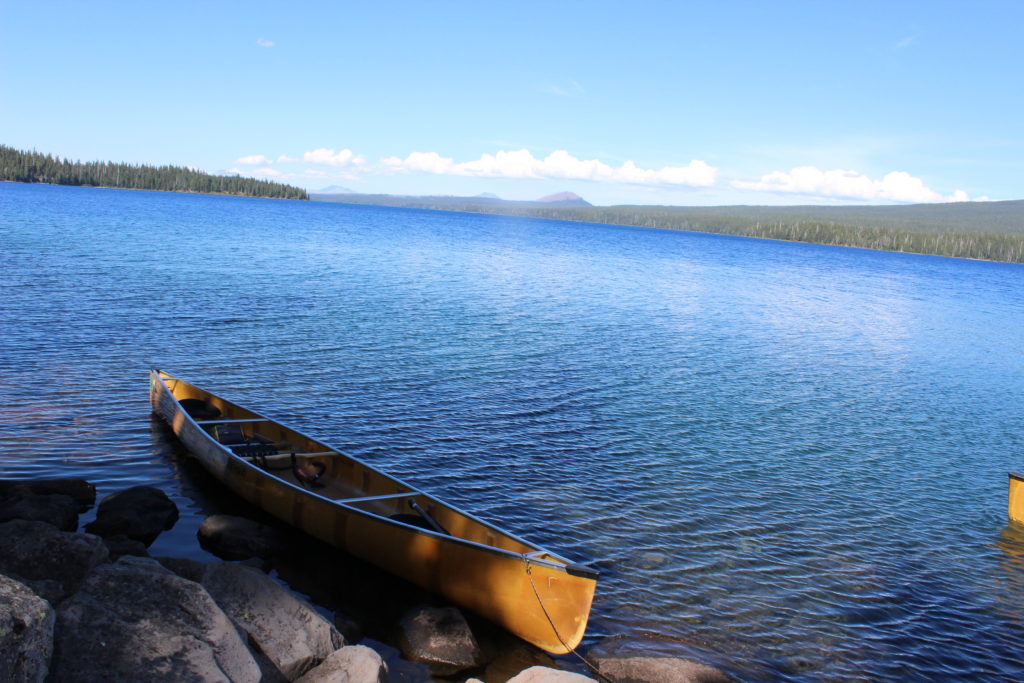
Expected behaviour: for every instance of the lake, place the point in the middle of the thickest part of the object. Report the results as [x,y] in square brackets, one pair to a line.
[792,457]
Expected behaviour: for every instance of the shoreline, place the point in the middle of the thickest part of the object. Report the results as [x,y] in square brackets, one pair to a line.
[310,613]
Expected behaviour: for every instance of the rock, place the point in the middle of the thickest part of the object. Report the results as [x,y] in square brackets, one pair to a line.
[352,664]
[53,508]
[185,568]
[399,670]
[238,538]
[660,670]
[122,545]
[543,674]
[350,629]
[26,633]
[648,661]
[134,620]
[440,638]
[56,562]
[516,656]
[287,630]
[141,513]
[83,493]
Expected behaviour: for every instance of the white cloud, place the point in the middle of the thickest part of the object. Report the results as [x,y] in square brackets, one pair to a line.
[253,160]
[329,157]
[267,171]
[263,42]
[559,164]
[897,186]
[284,158]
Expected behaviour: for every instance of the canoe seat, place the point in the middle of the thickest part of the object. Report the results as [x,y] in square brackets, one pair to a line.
[199,409]
[254,450]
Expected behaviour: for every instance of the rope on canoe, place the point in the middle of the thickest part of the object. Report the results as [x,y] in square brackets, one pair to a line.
[529,573]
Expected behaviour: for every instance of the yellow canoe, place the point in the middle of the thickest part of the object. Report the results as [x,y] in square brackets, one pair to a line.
[1016,498]
[535,594]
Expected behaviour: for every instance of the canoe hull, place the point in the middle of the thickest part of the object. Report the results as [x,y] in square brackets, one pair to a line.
[543,602]
[1016,498]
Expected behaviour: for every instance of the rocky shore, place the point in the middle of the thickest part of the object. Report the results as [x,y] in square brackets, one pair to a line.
[93,605]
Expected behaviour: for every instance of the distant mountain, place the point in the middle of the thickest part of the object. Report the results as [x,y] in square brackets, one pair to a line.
[564,199]
[486,195]
[336,189]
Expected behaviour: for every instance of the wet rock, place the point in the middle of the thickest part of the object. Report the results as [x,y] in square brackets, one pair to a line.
[515,656]
[26,633]
[141,513]
[348,627]
[440,638]
[287,630]
[81,491]
[185,568]
[135,620]
[52,561]
[646,661]
[352,664]
[122,545]
[543,674]
[399,670]
[238,538]
[53,508]
[659,670]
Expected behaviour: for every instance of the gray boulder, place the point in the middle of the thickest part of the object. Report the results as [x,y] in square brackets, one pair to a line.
[122,545]
[184,567]
[26,633]
[52,562]
[292,635]
[653,660]
[141,513]
[53,508]
[659,670]
[544,674]
[134,620]
[440,638]
[81,491]
[352,664]
[238,538]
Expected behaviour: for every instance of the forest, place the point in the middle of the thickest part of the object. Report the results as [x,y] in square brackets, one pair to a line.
[992,231]
[34,167]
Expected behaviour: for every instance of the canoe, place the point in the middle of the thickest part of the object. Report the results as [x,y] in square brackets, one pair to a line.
[1016,498]
[534,593]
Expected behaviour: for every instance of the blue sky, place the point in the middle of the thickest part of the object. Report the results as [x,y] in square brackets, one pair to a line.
[643,102]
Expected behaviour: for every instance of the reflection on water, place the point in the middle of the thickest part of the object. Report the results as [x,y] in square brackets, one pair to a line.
[791,455]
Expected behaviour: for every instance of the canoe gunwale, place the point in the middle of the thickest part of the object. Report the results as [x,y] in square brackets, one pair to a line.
[532,557]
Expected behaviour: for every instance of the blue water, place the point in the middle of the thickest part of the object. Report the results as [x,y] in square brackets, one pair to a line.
[790,455]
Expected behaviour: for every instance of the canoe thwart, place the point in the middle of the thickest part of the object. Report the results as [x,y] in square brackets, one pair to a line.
[226,422]
[410,494]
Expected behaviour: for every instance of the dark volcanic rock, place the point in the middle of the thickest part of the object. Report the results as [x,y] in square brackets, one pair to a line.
[440,638]
[352,664]
[52,562]
[80,490]
[141,513]
[238,538]
[287,630]
[134,620]
[26,633]
[53,508]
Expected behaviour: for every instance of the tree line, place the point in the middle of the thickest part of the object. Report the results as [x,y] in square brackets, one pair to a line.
[993,231]
[34,167]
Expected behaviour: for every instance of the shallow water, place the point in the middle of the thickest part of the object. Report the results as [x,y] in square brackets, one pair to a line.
[792,455]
